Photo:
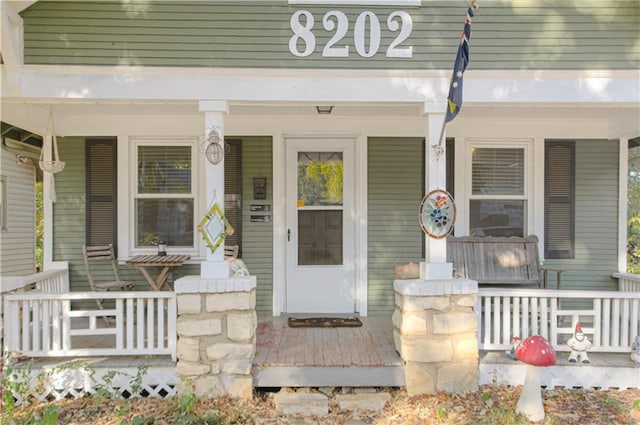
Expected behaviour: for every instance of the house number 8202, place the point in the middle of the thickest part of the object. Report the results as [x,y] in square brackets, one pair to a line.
[303,41]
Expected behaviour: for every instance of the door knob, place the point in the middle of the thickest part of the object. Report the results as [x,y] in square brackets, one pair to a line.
[288,235]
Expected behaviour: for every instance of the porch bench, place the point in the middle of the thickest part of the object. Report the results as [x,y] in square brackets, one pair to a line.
[499,260]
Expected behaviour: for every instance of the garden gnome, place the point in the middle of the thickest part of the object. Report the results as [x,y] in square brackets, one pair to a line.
[515,343]
[579,345]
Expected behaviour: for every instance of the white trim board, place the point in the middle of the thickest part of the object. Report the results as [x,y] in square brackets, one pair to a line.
[53,82]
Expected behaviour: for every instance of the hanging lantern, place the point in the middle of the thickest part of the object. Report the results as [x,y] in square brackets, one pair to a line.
[50,142]
[214,152]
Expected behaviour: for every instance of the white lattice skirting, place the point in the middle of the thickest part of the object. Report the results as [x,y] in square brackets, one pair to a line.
[79,379]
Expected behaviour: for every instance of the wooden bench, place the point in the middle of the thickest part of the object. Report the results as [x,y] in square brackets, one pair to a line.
[499,260]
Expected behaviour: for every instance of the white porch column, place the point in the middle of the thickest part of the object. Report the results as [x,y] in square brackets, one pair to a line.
[214,111]
[435,266]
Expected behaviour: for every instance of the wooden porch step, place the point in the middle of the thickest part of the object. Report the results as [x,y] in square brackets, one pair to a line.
[606,370]
[310,357]
[355,376]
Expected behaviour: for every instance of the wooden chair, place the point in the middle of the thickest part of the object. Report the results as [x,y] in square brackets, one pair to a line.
[231,251]
[103,254]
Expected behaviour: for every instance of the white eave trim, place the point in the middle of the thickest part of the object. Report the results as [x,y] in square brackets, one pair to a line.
[291,85]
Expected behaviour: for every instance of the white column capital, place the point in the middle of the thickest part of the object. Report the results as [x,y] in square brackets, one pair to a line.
[435,107]
[213,106]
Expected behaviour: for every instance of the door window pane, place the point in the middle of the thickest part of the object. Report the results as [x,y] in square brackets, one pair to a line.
[320,178]
[319,237]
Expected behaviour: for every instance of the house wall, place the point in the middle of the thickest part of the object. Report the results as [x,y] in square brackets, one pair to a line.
[18,239]
[395,189]
[590,34]
[596,253]
[257,238]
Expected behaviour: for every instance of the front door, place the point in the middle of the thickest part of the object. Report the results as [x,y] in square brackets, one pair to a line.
[320,226]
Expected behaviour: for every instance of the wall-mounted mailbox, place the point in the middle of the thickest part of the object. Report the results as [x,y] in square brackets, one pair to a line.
[260,208]
[259,188]
[260,219]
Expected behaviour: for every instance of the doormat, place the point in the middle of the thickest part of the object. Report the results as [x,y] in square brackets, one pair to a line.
[324,322]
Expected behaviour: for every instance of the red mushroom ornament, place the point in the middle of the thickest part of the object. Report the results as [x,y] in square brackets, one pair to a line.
[536,352]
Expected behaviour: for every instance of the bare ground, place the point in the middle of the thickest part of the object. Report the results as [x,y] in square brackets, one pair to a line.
[489,405]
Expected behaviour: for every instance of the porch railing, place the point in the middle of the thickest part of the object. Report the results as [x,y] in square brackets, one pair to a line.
[628,282]
[60,324]
[50,281]
[609,319]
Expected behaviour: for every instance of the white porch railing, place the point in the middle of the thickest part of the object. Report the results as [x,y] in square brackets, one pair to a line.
[609,319]
[46,324]
[628,282]
[51,281]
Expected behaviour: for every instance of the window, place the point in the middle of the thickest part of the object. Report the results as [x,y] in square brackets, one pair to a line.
[559,199]
[164,200]
[101,185]
[3,203]
[498,198]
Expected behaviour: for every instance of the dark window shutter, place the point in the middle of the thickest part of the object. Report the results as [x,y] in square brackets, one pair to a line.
[559,205]
[233,191]
[101,187]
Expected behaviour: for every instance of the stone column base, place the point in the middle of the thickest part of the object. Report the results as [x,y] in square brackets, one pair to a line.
[435,332]
[216,335]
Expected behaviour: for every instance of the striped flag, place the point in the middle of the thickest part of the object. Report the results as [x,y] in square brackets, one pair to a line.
[454,100]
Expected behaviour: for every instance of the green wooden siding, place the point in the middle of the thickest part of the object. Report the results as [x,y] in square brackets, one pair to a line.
[597,197]
[527,34]
[395,189]
[17,235]
[257,238]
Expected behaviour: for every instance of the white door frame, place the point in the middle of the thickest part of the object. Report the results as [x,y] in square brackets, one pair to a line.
[279,218]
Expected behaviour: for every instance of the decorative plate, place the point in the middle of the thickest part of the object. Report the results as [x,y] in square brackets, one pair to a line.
[437,213]
[214,227]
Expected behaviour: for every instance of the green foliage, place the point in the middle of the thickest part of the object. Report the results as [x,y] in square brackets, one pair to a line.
[39,226]
[321,182]
[49,416]
[15,384]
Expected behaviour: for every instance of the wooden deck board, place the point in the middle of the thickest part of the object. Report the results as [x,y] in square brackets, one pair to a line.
[369,345]
[363,356]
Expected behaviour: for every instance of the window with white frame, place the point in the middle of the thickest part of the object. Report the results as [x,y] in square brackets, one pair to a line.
[164,196]
[498,194]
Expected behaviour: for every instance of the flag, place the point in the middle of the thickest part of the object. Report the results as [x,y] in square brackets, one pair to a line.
[454,100]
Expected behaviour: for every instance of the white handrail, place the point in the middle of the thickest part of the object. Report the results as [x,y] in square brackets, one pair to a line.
[46,324]
[609,319]
[50,281]
[628,282]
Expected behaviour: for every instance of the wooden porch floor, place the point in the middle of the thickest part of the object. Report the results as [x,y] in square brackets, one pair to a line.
[314,357]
